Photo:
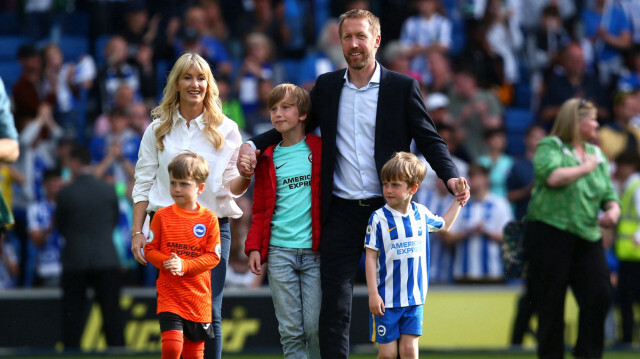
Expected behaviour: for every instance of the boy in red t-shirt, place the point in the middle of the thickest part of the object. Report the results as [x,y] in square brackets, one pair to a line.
[184,244]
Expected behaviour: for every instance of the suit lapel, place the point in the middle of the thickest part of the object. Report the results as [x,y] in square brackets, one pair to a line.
[384,94]
[333,104]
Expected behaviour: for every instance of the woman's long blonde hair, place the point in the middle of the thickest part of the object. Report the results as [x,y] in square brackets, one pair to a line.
[168,107]
[566,124]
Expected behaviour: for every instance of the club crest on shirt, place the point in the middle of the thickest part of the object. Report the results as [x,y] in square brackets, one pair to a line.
[382,330]
[151,236]
[199,230]
[310,157]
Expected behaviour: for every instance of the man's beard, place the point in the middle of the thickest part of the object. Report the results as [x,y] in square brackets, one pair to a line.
[360,65]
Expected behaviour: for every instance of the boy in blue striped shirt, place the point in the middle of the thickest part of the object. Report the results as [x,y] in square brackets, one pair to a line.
[397,257]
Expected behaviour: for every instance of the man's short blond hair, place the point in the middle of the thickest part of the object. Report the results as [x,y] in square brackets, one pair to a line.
[374,22]
[405,167]
[189,165]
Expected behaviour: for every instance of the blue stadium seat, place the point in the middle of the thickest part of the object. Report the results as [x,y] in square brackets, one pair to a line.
[98,49]
[10,72]
[458,37]
[74,46]
[516,122]
[75,23]
[290,67]
[523,91]
[9,23]
[9,46]
[162,71]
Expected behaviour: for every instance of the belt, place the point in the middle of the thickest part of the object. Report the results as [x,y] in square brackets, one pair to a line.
[365,202]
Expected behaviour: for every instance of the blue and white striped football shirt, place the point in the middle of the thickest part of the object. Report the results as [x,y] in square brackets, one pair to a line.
[403,262]
[477,256]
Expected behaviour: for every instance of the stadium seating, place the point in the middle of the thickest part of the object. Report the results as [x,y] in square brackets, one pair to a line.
[74,46]
[516,122]
[9,72]
[10,45]
[9,23]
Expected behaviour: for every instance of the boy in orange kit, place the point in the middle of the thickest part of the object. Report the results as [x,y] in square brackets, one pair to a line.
[184,244]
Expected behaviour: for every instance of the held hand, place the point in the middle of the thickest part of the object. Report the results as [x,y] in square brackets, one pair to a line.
[137,243]
[246,151]
[461,184]
[376,305]
[254,263]
[463,195]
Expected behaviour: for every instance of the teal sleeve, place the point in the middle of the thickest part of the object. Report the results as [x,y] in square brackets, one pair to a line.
[7,123]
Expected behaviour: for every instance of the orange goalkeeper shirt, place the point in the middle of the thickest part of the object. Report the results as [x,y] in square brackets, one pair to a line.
[195,238]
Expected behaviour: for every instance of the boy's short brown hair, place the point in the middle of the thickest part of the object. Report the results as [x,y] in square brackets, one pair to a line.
[406,167]
[189,165]
[297,95]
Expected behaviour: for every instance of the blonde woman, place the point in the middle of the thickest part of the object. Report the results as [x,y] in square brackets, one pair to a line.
[189,117]
[562,239]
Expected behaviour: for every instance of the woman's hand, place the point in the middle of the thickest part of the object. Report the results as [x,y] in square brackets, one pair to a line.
[610,216]
[590,162]
[137,243]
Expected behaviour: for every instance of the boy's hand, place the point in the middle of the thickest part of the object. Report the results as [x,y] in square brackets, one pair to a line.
[254,263]
[174,265]
[463,195]
[376,305]
[248,151]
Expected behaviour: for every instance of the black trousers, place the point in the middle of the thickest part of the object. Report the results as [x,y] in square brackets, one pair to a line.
[558,259]
[106,285]
[342,245]
[628,293]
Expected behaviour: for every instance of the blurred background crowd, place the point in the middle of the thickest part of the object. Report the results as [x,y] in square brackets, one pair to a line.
[493,75]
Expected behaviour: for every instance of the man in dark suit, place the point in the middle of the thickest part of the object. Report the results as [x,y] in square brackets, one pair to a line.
[86,215]
[365,114]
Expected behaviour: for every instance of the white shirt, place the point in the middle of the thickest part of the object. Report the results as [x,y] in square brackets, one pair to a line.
[356,176]
[152,175]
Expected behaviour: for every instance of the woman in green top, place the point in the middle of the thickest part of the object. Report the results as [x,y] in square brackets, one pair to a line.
[562,240]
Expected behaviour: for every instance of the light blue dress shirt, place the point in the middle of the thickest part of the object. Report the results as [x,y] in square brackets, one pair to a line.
[355,176]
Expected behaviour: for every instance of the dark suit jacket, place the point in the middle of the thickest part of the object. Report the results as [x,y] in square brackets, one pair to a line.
[400,117]
[86,215]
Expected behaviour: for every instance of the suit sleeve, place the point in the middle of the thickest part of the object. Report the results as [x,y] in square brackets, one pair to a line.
[264,140]
[254,237]
[211,256]
[429,142]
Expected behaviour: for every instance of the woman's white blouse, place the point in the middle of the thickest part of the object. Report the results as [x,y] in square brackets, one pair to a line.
[152,175]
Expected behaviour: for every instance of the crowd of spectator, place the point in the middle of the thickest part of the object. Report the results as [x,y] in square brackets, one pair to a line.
[479,63]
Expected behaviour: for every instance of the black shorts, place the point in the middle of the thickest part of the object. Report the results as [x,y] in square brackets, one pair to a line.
[192,330]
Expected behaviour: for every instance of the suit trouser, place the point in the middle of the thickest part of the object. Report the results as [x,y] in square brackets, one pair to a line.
[342,245]
[557,259]
[628,293]
[106,284]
